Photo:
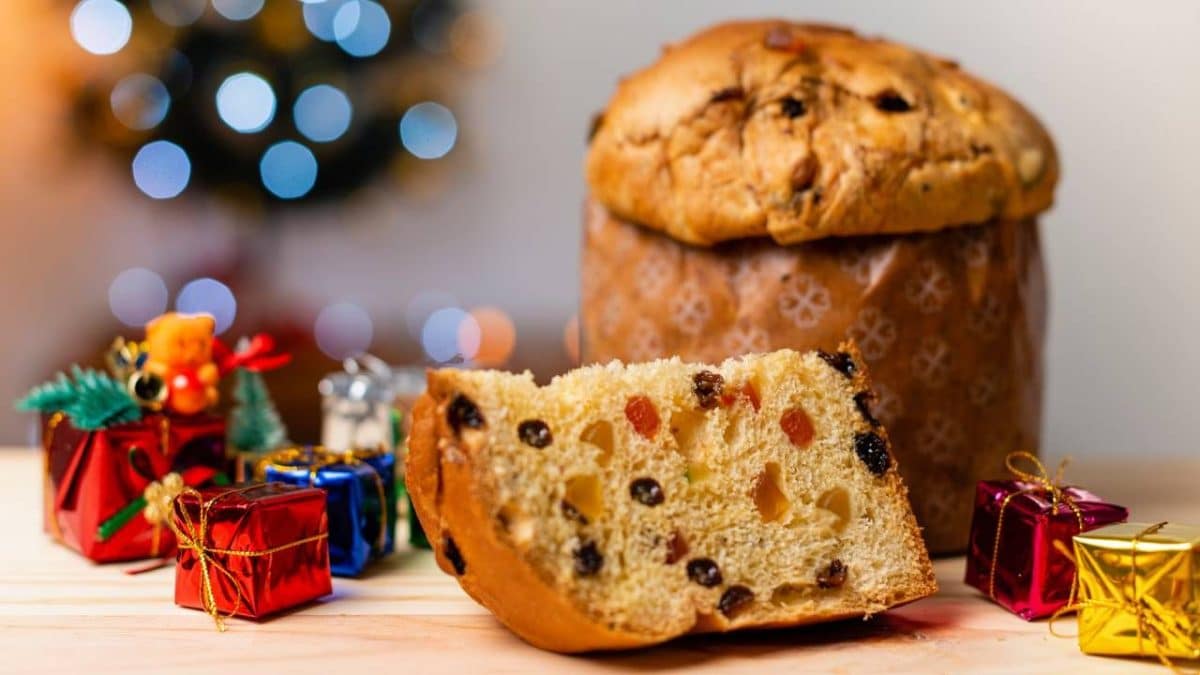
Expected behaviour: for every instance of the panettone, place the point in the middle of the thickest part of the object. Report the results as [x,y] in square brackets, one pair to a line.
[621,506]
[809,185]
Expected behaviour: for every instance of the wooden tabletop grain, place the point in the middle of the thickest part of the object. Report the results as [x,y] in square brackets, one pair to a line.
[60,613]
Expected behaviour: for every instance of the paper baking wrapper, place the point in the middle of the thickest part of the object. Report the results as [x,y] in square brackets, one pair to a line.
[951,324]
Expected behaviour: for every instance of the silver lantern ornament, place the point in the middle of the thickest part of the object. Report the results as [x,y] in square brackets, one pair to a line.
[357,406]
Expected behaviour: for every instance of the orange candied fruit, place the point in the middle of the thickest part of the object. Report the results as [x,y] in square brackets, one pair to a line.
[798,427]
[746,393]
[642,414]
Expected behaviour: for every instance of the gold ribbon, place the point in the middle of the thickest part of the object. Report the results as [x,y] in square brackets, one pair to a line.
[191,535]
[320,457]
[1043,484]
[49,493]
[1149,623]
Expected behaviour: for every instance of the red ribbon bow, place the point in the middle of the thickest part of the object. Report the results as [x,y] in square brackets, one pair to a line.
[255,357]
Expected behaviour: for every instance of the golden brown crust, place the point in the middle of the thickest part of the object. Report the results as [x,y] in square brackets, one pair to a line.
[447,496]
[800,132]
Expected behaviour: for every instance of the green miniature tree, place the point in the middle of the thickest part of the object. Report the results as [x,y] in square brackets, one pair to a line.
[92,399]
[254,423]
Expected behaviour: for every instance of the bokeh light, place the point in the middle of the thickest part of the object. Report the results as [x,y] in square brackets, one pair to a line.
[322,113]
[208,296]
[137,295]
[178,13]
[246,102]
[140,101]
[428,130]
[362,28]
[571,339]
[439,336]
[161,169]
[288,170]
[488,338]
[237,10]
[421,306]
[319,15]
[343,330]
[101,26]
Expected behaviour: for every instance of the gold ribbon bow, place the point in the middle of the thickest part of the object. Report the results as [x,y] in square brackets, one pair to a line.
[1043,484]
[159,495]
[191,535]
[1150,624]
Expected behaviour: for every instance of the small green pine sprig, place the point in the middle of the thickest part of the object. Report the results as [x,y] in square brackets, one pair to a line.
[93,400]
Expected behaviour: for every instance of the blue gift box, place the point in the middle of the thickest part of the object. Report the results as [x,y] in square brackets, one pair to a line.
[360,488]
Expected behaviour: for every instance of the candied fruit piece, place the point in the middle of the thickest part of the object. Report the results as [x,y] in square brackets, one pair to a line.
[647,491]
[588,560]
[872,450]
[734,600]
[697,473]
[642,414]
[746,392]
[792,107]
[463,412]
[585,495]
[707,386]
[798,427]
[771,501]
[863,400]
[450,550]
[841,362]
[600,434]
[677,547]
[704,571]
[535,433]
[833,576]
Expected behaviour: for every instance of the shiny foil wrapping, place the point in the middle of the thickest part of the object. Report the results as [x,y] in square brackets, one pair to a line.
[951,324]
[1139,590]
[1032,576]
[361,489]
[265,522]
[91,476]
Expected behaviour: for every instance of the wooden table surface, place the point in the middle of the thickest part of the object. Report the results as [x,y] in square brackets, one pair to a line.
[59,613]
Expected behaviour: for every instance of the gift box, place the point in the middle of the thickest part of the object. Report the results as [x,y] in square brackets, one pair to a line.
[361,499]
[94,480]
[251,550]
[1139,590]
[1020,539]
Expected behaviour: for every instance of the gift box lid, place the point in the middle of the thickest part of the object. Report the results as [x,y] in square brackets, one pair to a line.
[1150,537]
[246,497]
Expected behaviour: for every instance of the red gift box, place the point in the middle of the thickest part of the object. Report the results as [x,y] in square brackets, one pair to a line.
[93,477]
[1020,539]
[251,550]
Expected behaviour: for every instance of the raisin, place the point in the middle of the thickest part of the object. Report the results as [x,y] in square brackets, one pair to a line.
[571,513]
[707,386]
[588,560]
[535,433]
[863,400]
[642,414]
[677,547]
[734,600]
[704,572]
[798,427]
[841,362]
[833,576]
[872,450]
[728,94]
[463,413]
[647,491]
[450,550]
[891,102]
[792,107]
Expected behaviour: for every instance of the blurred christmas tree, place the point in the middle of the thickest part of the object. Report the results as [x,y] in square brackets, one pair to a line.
[254,423]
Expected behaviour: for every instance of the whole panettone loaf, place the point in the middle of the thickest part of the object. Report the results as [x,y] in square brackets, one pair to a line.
[625,505]
[800,132]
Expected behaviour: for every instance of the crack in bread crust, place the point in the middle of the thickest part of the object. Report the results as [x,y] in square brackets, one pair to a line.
[669,156]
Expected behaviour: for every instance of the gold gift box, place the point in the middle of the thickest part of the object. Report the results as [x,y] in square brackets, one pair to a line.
[1139,590]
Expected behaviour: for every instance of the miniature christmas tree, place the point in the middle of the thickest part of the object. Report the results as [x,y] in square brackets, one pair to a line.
[254,424]
[92,399]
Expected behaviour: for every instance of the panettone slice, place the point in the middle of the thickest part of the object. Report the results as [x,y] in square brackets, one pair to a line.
[623,505]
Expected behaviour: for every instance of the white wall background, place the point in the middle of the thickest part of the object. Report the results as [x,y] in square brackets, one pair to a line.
[1117,83]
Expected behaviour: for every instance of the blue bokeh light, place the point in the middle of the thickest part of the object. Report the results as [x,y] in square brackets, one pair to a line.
[137,295]
[140,101]
[161,169]
[318,17]
[238,10]
[428,130]
[101,26]
[343,330]
[439,336]
[246,102]
[178,13]
[323,113]
[362,28]
[208,296]
[288,170]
